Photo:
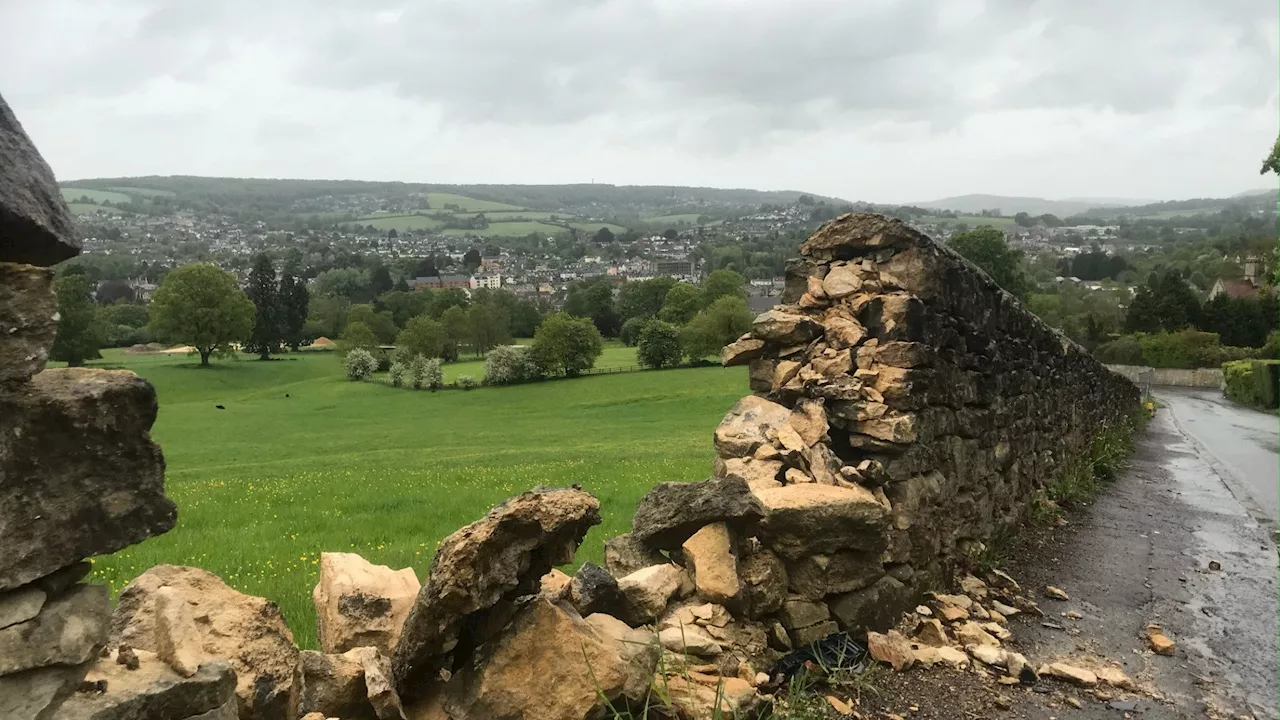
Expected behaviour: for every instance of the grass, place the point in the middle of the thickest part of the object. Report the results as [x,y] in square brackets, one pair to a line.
[466,204]
[674,220]
[266,485]
[90,209]
[144,192]
[508,229]
[1081,479]
[614,356]
[96,196]
[401,222]
[509,215]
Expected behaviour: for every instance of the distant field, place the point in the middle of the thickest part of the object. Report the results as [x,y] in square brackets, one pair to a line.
[401,222]
[96,196]
[145,192]
[615,355]
[971,220]
[506,215]
[466,204]
[508,229]
[266,485]
[90,209]
[684,219]
[593,227]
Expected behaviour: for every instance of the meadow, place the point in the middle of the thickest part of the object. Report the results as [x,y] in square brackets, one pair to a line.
[972,221]
[303,461]
[466,204]
[95,196]
[508,229]
[400,222]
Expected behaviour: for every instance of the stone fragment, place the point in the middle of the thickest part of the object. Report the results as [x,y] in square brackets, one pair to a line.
[806,519]
[623,555]
[672,512]
[38,694]
[816,576]
[843,332]
[952,657]
[783,327]
[798,613]
[710,555]
[20,605]
[1115,677]
[996,630]
[70,439]
[359,604]
[892,649]
[764,583]
[552,664]
[932,633]
[690,640]
[153,690]
[729,698]
[594,590]
[502,555]
[750,423]
[1005,610]
[36,226]
[379,691]
[809,419]
[1056,593]
[924,611]
[842,280]
[248,631]
[840,706]
[989,654]
[334,684]
[177,639]
[648,590]
[951,613]
[1160,643]
[872,608]
[28,320]
[742,351]
[971,633]
[758,473]
[777,637]
[973,587]
[1002,580]
[68,630]
[1070,673]
[554,585]
[813,633]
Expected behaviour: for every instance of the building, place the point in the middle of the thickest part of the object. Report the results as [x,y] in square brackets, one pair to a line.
[1246,288]
[441,281]
[490,281]
[676,268]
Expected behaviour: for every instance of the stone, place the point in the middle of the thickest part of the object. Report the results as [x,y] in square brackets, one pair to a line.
[710,556]
[758,473]
[35,223]
[69,439]
[807,519]
[379,691]
[963,602]
[1002,580]
[750,423]
[1072,615]
[764,583]
[813,633]
[177,639]
[69,630]
[842,280]
[931,632]
[38,694]
[741,351]
[1115,677]
[816,576]
[623,555]
[20,605]
[594,590]
[798,613]
[1005,610]
[647,591]
[996,630]
[787,328]
[777,637]
[730,697]
[554,585]
[28,320]
[690,640]
[1069,673]
[502,555]
[971,633]
[809,420]
[1056,593]
[872,608]
[359,604]
[247,631]
[672,512]
[153,690]
[1160,643]
[973,587]
[334,684]
[843,332]
[552,664]
[892,649]
[840,706]
[989,654]
[952,657]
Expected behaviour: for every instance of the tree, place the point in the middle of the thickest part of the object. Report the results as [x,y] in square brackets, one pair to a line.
[1023,220]
[80,328]
[357,336]
[380,322]
[405,305]
[670,234]
[722,283]
[986,248]
[508,365]
[471,259]
[112,291]
[263,292]
[401,285]
[351,283]
[458,329]
[594,299]
[426,267]
[631,329]
[380,280]
[295,304]
[603,236]
[659,345]
[490,326]
[722,323]
[202,306]
[421,336]
[642,298]
[1165,303]
[442,300]
[1271,163]
[681,304]
[566,345]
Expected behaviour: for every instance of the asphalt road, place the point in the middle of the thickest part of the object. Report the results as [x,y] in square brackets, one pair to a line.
[1243,444]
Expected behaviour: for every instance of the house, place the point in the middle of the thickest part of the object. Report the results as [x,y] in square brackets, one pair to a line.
[491,281]
[441,281]
[1232,288]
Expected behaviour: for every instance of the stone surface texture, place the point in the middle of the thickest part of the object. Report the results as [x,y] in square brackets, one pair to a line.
[359,604]
[36,226]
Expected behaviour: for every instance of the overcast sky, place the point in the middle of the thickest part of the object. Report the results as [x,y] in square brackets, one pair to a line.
[879,100]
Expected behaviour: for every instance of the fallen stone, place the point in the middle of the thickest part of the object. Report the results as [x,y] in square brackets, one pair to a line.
[997,617]
[988,654]
[69,630]
[672,512]
[872,608]
[749,424]
[973,587]
[28,320]
[35,222]
[742,351]
[379,691]
[758,473]
[359,604]
[178,641]
[710,556]
[1115,677]
[978,612]
[648,591]
[924,611]
[153,690]
[730,697]
[500,556]
[1056,593]
[690,640]
[963,602]
[891,648]
[550,663]
[1072,615]
[20,605]
[817,576]
[951,613]
[971,633]
[798,613]
[38,694]
[594,590]
[783,327]
[1160,643]
[624,555]
[247,631]
[68,439]
[819,519]
[997,630]
[1005,610]
[932,633]
[554,585]
[1069,673]
[764,583]
[334,684]
[809,420]
[953,657]
[1001,579]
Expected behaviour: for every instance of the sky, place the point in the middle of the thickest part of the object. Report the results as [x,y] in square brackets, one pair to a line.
[876,100]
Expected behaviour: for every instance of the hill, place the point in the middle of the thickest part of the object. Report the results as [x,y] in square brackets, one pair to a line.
[1010,205]
[1247,202]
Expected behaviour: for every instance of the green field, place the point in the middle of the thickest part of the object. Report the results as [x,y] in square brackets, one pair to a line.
[615,355]
[401,222]
[594,227]
[145,192]
[683,219]
[508,215]
[508,229]
[971,220]
[265,485]
[89,209]
[97,196]
[466,204]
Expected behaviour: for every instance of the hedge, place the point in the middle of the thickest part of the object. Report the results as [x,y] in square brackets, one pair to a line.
[1252,382]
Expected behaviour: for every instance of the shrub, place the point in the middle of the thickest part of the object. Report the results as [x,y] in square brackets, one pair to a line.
[467,382]
[397,371]
[1183,349]
[357,335]
[720,324]
[1271,348]
[426,372]
[360,364]
[509,365]
[631,329]
[1251,382]
[659,346]
[1124,350]
[565,345]
[434,375]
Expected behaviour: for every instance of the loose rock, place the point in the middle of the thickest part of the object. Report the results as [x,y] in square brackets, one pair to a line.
[359,604]
[672,512]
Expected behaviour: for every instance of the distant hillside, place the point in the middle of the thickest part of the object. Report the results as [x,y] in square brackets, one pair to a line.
[974,204]
[1251,193]
[1249,201]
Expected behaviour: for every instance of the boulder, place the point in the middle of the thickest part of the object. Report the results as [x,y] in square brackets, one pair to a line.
[70,439]
[816,576]
[741,351]
[153,690]
[21,605]
[334,685]
[623,555]
[594,590]
[672,512]
[69,630]
[750,423]
[648,590]
[247,631]
[719,697]
[764,583]
[872,608]
[931,632]
[552,664]
[710,556]
[359,604]
[35,223]
[177,639]
[807,519]
[892,649]
[28,320]
[786,328]
[499,557]
[1069,673]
